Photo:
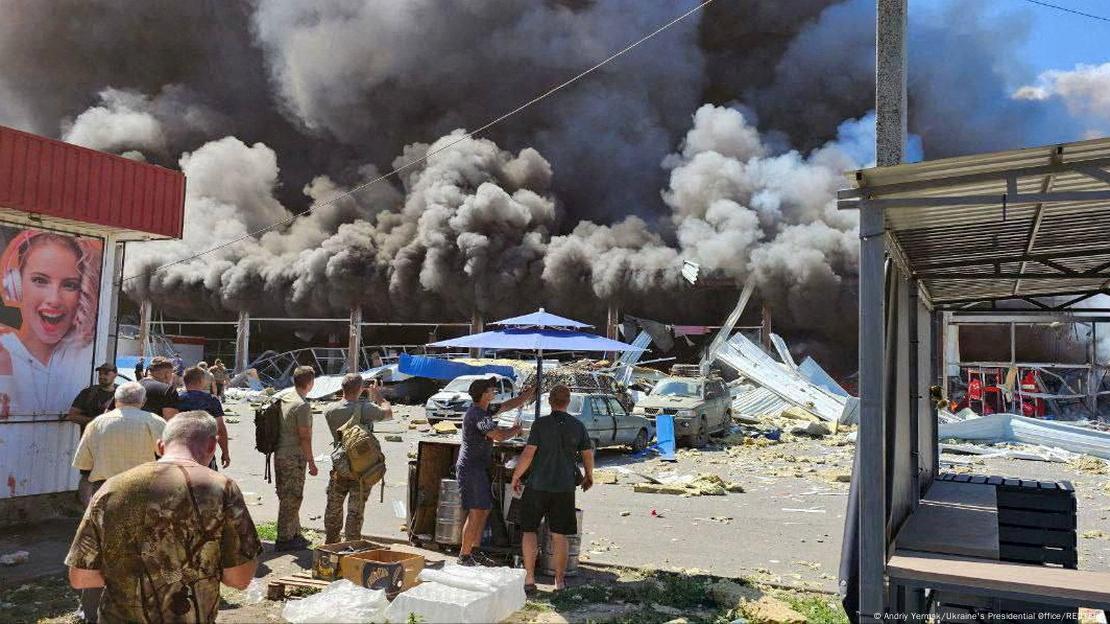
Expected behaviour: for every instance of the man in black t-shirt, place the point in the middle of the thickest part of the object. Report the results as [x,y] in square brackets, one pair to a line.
[554,444]
[90,403]
[161,397]
[96,399]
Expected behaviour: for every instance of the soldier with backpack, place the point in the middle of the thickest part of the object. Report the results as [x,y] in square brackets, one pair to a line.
[293,454]
[344,484]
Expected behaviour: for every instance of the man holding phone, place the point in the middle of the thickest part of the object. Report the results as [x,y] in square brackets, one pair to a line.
[554,444]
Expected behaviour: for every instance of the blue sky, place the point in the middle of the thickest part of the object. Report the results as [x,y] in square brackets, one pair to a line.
[1054,40]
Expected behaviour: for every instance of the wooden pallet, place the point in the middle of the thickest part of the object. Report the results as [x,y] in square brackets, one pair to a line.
[275,590]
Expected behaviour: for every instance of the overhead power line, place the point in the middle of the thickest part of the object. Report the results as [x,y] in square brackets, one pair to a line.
[468,135]
[1067,10]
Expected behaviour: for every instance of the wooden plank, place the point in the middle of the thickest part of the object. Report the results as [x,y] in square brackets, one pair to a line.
[981,576]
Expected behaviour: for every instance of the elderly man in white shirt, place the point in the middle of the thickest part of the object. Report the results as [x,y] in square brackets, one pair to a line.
[119,440]
[115,442]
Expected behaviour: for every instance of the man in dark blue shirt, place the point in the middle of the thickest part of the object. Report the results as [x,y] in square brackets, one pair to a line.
[479,433]
[554,444]
[196,397]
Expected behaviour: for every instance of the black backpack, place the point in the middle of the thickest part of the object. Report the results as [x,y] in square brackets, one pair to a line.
[267,431]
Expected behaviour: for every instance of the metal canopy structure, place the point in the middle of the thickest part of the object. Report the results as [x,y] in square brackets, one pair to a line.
[1030,226]
[1018,224]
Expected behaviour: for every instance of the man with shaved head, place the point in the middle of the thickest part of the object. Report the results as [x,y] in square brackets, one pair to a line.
[162,536]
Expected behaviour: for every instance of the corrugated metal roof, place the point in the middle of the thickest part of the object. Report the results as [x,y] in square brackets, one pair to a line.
[999,225]
[50,183]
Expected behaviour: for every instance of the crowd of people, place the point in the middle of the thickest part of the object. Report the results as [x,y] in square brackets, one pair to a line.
[163,527]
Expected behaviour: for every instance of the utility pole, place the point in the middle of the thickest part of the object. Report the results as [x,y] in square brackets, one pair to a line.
[354,340]
[890,142]
[242,342]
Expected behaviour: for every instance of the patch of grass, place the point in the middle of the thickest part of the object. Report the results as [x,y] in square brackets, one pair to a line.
[574,597]
[537,606]
[49,600]
[267,531]
[818,608]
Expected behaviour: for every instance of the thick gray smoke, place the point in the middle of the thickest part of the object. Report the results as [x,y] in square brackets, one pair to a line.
[593,196]
[379,74]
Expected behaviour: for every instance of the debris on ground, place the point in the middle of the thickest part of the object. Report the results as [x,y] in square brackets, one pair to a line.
[393,438]
[16,558]
[732,595]
[704,484]
[769,610]
[1091,465]
[1095,534]
[605,477]
[813,428]
[445,427]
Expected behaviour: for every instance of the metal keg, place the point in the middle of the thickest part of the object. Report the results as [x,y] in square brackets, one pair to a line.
[449,514]
[574,547]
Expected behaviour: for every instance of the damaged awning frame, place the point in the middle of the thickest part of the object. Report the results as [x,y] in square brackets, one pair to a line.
[956,234]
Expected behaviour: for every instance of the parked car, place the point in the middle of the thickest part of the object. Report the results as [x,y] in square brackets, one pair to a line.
[607,422]
[453,400]
[700,405]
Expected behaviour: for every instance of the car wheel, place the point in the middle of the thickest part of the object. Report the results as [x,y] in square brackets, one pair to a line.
[641,441]
[701,438]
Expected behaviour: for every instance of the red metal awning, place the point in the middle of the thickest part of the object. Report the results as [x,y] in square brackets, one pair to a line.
[44,182]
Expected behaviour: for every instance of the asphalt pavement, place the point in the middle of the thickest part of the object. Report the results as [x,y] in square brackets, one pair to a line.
[732,535]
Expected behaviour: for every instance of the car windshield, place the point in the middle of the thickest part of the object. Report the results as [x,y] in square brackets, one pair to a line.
[677,387]
[459,384]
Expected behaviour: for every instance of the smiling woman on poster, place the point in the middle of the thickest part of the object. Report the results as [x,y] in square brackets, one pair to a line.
[54,281]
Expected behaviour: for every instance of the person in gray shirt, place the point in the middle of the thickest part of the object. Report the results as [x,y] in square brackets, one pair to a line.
[350,491]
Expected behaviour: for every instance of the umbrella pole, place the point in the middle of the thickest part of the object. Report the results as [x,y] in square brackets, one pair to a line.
[539,381]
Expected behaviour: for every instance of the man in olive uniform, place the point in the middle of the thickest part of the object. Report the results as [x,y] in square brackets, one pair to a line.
[161,537]
[294,452]
[350,491]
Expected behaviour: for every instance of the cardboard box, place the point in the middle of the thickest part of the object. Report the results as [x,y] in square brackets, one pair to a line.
[326,558]
[388,570]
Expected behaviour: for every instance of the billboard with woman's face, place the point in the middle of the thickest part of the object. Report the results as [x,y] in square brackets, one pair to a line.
[50,291]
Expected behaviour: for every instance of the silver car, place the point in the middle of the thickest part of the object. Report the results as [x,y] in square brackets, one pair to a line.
[606,420]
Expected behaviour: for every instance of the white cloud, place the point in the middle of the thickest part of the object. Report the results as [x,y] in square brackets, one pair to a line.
[1085,90]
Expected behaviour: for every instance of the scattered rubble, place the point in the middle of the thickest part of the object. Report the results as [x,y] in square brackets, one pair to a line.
[769,610]
[704,484]
[605,477]
[15,558]
[393,438]
[444,427]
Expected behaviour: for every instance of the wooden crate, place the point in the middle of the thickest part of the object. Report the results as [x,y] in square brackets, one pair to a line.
[276,590]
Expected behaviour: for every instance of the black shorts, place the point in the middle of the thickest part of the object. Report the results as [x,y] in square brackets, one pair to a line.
[557,507]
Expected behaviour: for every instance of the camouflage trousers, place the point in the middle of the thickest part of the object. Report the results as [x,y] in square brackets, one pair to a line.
[355,495]
[289,471]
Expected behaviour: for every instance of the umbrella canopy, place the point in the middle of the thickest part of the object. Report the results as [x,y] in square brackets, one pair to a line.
[535,339]
[541,319]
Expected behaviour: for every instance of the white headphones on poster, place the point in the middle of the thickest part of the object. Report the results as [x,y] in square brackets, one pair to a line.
[9,264]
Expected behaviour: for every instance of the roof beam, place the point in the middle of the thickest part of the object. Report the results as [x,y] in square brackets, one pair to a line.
[1095,172]
[865,191]
[1062,293]
[956,264]
[1038,218]
[1007,275]
[978,200]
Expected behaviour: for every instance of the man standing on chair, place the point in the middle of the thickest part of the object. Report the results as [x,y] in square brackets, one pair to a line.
[554,444]
[479,433]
